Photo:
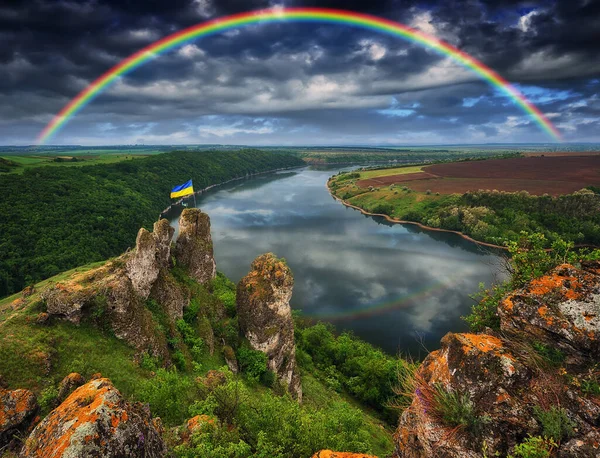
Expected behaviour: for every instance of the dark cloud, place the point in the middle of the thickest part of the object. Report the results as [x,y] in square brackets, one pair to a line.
[336,82]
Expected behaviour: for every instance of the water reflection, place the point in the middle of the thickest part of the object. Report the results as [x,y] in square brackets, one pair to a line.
[399,287]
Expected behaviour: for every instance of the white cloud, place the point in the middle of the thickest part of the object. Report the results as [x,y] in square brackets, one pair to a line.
[525,21]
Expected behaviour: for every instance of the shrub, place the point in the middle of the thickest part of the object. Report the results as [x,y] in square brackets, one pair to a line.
[534,447]
[555,423]
[168,393]
[47,399]
[253,363]
[485,312]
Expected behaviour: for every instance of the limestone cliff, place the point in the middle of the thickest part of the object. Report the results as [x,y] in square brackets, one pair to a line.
[265,317]
[194,249]
[538,366]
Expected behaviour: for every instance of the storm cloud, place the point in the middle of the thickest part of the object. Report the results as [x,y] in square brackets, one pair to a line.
[299,83]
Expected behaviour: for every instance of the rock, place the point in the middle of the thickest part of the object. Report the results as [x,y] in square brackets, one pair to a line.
[196,424]
[213,379]
[96,376]
[152,253]
[66,301]
[132,321]
[95,420]
[585,447]
[481,368]
[28,291]
[504,379]
[330,454]
[230,359]
[194,248]
[17,411]
[68,385]
[42,318]
[265,317]
[561,309]
[170,294]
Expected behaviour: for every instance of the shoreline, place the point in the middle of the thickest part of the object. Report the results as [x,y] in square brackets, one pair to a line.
[200,191]
[422,226]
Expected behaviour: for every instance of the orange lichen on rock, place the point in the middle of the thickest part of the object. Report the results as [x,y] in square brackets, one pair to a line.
[481,342]
[508,304]
[17,411]
[332,454]
[554,281]
[94,418]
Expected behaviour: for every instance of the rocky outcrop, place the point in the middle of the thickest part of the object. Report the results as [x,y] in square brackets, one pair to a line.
[152,253]
[118,291]
[265,317]
[95,420]
[502,381]
[17,411]
[194,249]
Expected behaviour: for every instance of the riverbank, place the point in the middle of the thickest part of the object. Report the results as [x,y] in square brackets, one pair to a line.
[422,226]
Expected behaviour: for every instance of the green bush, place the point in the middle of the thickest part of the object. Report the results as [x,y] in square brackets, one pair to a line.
[534,447]
[485,312]
[253,363]
[224,290]
[347,363]
[555,423]
[168,393]
[47,399]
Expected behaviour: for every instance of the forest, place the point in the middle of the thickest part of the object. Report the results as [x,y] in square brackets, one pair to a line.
[56,218]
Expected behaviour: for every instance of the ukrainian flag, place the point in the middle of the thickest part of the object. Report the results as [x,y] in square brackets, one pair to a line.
[184,189]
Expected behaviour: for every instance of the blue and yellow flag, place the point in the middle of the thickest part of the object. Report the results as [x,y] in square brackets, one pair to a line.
[182,190]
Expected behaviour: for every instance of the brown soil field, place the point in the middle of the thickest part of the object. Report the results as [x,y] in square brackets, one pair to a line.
[553,175]
[562,153]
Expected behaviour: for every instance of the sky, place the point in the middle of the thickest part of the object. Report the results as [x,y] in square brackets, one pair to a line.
[299,84]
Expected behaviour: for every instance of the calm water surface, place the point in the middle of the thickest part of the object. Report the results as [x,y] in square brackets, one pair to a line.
[396,286]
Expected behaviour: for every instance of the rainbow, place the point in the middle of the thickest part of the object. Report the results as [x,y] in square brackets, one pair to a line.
[321,15]
[383,307]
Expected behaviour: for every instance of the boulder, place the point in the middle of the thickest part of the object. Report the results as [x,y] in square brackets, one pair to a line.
[265,317]
[152,253]
[194,248]
[66,300]
[96,421]
[68,385]
[482,369]
[17,411]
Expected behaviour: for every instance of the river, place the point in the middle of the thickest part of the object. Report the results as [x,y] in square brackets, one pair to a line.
[396,286]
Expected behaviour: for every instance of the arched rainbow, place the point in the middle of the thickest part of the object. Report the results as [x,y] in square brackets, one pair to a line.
[299,15]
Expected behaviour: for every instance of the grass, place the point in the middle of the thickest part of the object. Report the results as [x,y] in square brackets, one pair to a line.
[389,172]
